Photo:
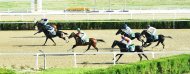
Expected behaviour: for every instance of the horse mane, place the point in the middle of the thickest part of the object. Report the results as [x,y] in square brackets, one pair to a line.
[120,42]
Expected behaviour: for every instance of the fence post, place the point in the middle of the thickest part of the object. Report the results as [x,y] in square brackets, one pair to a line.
[21,17]
[153,15]
[153,55]
[44,61]
[109,16]
[75,60]
[0,17]
[114,59]
[175,15]
[131,15]
[37,61]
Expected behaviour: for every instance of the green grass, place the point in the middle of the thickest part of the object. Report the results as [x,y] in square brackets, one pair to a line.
[20,5]
[66,70]
[100,4]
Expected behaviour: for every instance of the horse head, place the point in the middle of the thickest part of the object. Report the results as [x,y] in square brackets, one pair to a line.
[144,32]
[39,25]
[118,43]
[114,43]
[119,31]
[121,45]
[72,35]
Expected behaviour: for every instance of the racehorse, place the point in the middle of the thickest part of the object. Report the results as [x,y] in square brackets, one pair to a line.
[122,48]
[136,35]
[92,41]
[48,35]
[149,39]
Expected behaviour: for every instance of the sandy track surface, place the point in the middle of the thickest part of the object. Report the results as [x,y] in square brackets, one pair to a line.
[26,42]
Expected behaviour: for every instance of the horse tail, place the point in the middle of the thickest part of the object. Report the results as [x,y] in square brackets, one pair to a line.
[168,37]
[100,40]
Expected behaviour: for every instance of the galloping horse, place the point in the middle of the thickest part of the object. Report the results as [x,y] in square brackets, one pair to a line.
[92,42]
[136,35]
[149,40]
[41,28]
[122,48]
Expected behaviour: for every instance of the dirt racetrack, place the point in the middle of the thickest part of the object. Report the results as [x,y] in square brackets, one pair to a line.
[26,42]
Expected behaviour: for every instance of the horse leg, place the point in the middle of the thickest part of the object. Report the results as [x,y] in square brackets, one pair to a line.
[45,41]
[157,44]
[88,47]
[119,57]
[53,42]
[140,56]
[148,44]
[145,44]
[94,45]
[64,38]
[73,48]
[139,39]
[145,56]
[163,44]
[115,56]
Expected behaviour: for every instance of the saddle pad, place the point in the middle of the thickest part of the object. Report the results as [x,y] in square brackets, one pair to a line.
[132,47]
[132,34]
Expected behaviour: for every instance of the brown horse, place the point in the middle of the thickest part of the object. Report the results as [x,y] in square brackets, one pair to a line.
[60,34]
[92,41]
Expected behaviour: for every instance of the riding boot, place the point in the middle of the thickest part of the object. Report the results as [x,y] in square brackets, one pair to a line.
[152,37]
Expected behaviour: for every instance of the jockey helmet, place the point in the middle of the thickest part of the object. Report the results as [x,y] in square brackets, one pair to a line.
[78,29]
[126,25]
[44,19]
[148,26]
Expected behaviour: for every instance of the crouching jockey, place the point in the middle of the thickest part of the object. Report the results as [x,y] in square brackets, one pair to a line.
[127,30]
[126,41]
[48,27]
[84,38]
[152,31]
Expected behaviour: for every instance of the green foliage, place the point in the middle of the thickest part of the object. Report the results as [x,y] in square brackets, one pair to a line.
[100,25]
[6,71]
[170,65]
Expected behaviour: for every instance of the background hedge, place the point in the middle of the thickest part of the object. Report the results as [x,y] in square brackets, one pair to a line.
[100,25]
[171,65]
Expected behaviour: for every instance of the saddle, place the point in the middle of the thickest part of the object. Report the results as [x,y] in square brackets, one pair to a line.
[154,37]
[132,35]
[131,47]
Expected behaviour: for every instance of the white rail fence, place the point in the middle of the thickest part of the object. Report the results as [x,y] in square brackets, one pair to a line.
[133,14]
[45,55]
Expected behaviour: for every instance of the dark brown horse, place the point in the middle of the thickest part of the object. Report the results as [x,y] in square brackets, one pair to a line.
[122,48]
[41,28]
[92,41]
[149,39]
[136,35]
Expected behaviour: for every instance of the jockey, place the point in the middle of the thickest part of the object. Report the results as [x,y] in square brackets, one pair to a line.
[126,41]
[82,35]
[152,31]
[127,30]
[48,27]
